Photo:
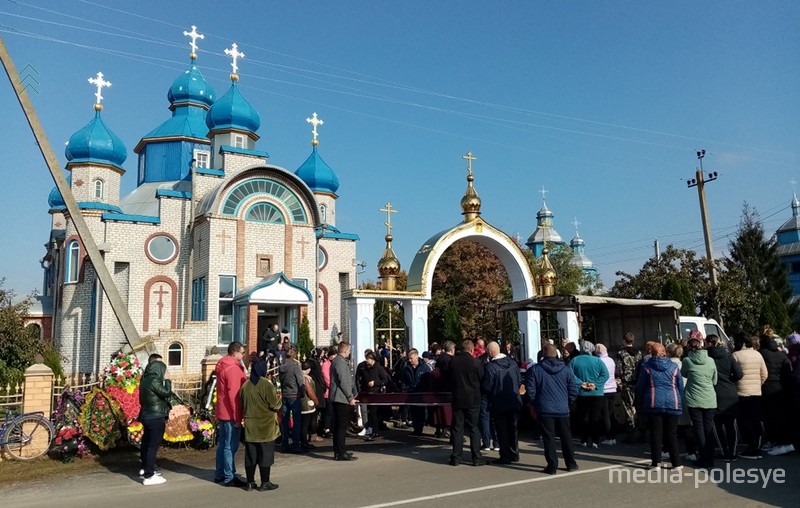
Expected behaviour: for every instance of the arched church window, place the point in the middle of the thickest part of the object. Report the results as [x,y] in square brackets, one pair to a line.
[323,213]
[322,258]
[73,261]
[99,189]
[264,212]
[175,354]
[243,191]
[35,330]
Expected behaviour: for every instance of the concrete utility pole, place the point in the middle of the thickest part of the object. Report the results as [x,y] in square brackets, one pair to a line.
[118,306]
[699,181]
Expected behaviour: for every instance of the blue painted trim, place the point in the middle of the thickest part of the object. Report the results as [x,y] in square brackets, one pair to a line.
[338,236]
[124,217]
[210,172]
[93,205]
[91,160]
[169,193]
[243,151]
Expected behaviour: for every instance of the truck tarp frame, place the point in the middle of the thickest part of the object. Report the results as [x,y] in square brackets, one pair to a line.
[582,302]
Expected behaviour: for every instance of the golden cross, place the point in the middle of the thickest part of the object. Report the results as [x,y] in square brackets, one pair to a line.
[389,211]
[469,158]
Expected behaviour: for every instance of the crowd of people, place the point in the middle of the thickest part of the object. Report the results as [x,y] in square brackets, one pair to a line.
[703,392]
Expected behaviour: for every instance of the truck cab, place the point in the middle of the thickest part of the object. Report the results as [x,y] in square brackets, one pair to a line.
[707,327]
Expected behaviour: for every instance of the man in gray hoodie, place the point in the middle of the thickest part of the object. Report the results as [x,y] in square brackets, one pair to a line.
[292,393]
[342,400]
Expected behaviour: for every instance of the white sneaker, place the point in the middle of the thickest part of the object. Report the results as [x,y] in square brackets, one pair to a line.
[141,473]
[487,449]
[781,450]
[608,442]
[363,432]
[585,444]
[154,480]
[594,445]
[767,446]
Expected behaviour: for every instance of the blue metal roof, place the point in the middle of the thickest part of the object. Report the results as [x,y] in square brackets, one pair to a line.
[124,217]
[186,122]
[56,200]
[243,151]
[316,173]
[96,143]
[328,231]
[233,111]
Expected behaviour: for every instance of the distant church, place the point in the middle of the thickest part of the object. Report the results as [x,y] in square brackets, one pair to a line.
[546,234]
[788,238]
[213,245]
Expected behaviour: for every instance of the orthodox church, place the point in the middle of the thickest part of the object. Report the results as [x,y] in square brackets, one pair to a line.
[546,236]
[214,244]
[788,238]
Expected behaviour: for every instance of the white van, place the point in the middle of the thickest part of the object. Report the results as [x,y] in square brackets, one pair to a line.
[707,327]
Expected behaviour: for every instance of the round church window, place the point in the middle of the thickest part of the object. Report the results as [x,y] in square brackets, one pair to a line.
[161,248]
[322,258]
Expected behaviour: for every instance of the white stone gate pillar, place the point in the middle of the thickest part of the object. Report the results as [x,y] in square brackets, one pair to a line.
[531,341]
[569,322]
[416,314]
[362,326]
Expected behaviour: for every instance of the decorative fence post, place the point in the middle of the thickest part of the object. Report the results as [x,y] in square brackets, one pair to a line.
[207,366]
[38,393]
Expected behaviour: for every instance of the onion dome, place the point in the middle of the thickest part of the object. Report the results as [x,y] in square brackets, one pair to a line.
[233,111]
[191,87]
[316,173]
[547,278]
[96,143]
[470,203]
[544,212]
[56,200]
[388,267]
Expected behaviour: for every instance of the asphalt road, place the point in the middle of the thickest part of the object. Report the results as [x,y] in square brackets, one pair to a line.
[402,471]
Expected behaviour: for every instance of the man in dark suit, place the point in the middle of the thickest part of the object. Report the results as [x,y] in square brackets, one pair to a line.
[465,374]
[501,386]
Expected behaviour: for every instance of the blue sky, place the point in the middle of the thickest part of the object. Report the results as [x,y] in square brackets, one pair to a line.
[602,103]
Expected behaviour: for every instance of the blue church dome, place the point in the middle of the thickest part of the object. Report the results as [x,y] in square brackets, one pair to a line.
[96,143]
[191,87]
[316,173]
[56,200]
[233,111]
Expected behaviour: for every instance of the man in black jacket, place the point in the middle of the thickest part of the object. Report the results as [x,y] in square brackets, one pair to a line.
[501,386]
[465,374]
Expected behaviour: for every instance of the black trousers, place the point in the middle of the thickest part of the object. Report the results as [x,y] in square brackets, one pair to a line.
[553,426]
[607,415]
[152,434]
[341,420]
[663,430]
[704,434]
[372,418]
[589,417]
[417,418]
[750,422]
[261,455]
[773,412]
[465,419]
[505,423]
[725,425]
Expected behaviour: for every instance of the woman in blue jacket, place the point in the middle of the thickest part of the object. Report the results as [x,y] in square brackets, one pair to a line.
[660,388]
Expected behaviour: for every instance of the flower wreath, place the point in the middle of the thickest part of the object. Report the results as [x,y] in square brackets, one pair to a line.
[98,419]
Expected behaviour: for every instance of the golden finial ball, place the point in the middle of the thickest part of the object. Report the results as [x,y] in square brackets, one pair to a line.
[234,77]
[98,107]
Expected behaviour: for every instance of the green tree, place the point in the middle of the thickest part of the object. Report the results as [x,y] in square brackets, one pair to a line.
[452,324]
[304,342]
[572,280]
[471,279]
[678,274]
[765,278]
[19,344]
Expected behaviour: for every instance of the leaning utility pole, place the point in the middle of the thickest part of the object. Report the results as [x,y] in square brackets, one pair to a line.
[118,306]
[699,181]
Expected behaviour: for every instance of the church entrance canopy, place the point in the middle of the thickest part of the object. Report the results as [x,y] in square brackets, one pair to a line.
[274,300]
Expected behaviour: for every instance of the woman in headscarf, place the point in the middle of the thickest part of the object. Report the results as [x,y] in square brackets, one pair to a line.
[659,387]
[260,406]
